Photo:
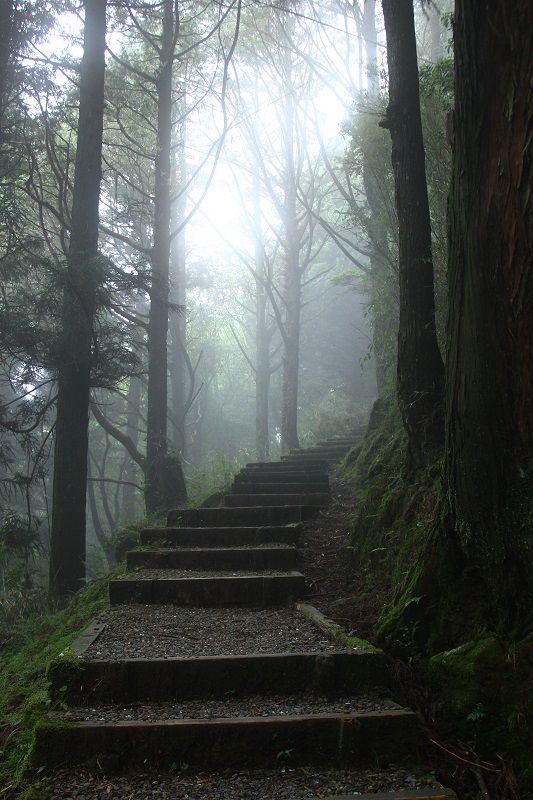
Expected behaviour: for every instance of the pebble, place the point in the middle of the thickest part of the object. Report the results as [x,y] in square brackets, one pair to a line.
[159,631]
[250,706]
[281,784]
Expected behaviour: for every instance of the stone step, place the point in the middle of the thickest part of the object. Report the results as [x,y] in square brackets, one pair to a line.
[224,536]
[307,458]
[222,558]
[326,453]
[409,794]
[319,447]
[270,487]
[212,591]
[316,467]
[307,500]
[239,517]
[351,739]
[286,476]
[82,682]
[349,441]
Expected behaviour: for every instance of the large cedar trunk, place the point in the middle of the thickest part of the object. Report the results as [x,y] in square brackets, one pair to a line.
[490,318]
[420,366]
[67,541]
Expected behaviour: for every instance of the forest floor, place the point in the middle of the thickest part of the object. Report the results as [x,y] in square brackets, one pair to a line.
[337,589]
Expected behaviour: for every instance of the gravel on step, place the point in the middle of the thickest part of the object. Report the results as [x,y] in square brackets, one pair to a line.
[252,706]
[282,784]
[200,549]
[147,574]
[160,631]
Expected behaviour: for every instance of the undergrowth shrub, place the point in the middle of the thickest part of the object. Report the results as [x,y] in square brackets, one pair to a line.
[215,473]
[27,644]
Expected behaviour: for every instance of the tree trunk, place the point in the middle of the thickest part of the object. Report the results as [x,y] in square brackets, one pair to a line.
[178,368]
[292,290]
[128,512]
[95,518]
[8,47]
[378,232]
[262,374]
[291,366]
[370,36]
[67,541]
[160,492]
[490,311]
[420,366]
[262,335]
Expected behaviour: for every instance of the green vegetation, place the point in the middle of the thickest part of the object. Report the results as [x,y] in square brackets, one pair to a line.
[27,646]
[436,616]
[398,530]
[211,476]
[485,686]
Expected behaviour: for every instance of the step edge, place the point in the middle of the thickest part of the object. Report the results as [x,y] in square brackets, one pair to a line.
[226,721]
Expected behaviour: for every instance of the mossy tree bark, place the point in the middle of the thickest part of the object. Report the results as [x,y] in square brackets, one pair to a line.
[420,371]
[490,318]
[67,539]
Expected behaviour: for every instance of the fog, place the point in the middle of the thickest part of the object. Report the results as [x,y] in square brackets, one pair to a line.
[268,285]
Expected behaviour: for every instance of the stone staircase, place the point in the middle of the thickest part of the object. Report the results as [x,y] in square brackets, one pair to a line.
[235,709]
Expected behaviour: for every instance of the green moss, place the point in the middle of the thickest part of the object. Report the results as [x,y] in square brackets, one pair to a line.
[398,534]
[37,792]
[486,689]
[384,437]
[401,539]
[354,642]
[28,645]
[469,676]
[333,630]
[210,499]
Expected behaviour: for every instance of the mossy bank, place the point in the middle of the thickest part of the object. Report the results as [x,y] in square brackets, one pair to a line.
[436,614]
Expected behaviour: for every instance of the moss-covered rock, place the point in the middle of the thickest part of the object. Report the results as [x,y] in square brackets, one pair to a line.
[469,676]
[486,688]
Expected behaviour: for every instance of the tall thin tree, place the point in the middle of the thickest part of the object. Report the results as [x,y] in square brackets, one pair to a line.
[77,346]
[420,366]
